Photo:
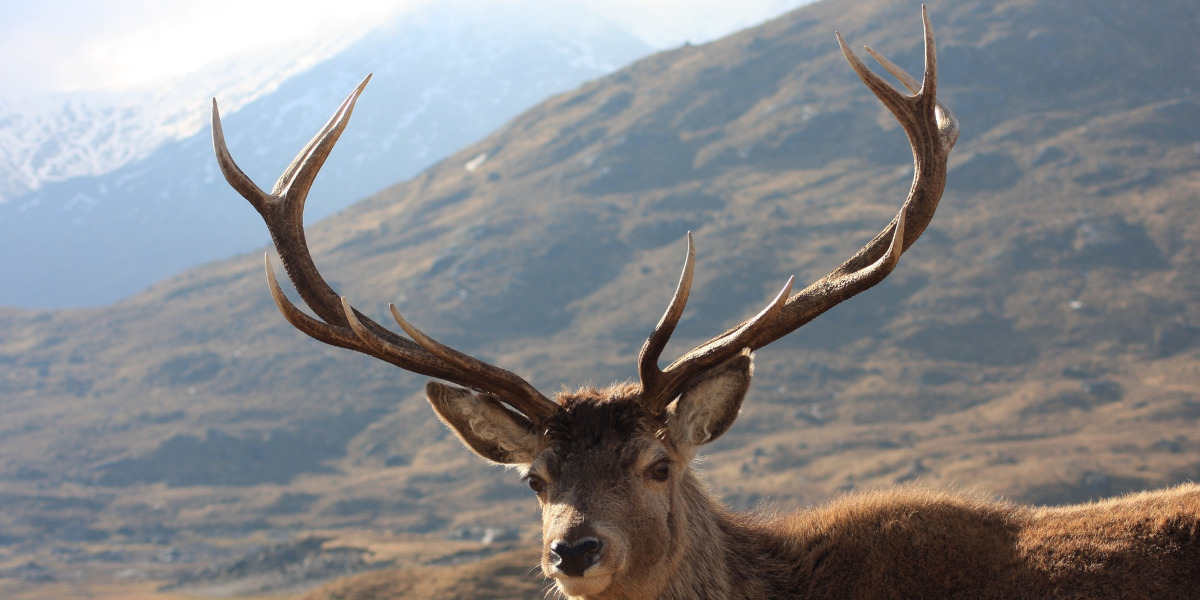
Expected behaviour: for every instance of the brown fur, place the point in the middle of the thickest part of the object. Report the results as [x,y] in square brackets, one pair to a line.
[672,540]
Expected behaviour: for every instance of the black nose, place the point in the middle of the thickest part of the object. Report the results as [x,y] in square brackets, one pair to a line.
[573,558]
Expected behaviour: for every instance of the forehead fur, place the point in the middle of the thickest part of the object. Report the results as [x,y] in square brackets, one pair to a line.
[594,417]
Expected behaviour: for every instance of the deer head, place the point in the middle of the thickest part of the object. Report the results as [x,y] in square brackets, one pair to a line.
[610,467]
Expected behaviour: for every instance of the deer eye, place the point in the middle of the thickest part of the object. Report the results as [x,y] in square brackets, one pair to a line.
[661,470]
[537,484]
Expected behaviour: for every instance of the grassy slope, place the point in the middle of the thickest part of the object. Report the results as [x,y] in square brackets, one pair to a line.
[1041,342]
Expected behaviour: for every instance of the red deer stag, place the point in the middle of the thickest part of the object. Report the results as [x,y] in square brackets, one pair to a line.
[625,516]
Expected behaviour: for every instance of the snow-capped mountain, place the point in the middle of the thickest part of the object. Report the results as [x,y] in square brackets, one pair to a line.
[54,136]
[443,78]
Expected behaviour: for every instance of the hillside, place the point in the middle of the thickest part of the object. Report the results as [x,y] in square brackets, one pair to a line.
[1041,342]
[447,76]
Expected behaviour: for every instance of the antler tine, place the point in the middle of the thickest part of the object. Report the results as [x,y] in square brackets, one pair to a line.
[351,339]
[932,131]
[896,102]
[303,169]
[338,323]
[492,380]
[658,393]
[515,391]
[240,182]
[946,122]
[319,330]
[283,212]
[283,209]
[648,370]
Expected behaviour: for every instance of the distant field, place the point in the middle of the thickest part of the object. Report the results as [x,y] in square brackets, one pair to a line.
[1041,342]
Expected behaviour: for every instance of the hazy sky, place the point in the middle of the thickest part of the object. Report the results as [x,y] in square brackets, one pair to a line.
[112,44]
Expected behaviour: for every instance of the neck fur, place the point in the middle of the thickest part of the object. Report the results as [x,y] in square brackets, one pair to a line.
[708,557]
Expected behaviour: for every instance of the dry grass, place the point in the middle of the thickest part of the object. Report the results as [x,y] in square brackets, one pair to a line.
[1042,342]
[96,591]
[507,576]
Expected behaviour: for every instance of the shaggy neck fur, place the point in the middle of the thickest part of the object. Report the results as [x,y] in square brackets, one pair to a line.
[714,554]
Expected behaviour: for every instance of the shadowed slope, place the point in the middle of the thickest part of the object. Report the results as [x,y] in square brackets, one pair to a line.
[1041,342]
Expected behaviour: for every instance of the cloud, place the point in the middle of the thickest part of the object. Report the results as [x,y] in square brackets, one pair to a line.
[63,45]
[669,23]
[67,45]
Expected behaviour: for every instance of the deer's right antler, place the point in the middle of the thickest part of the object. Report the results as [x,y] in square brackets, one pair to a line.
[337,322]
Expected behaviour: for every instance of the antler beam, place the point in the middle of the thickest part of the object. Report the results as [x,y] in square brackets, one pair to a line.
[337,323]
[932,131]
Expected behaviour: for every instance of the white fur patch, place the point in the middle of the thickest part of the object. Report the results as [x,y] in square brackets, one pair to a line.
[501,432]
[482,424]
[693,415]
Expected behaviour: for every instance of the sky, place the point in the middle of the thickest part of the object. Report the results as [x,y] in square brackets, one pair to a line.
[112,45]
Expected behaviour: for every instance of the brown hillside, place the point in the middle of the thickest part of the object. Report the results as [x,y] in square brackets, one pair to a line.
[1041,342]
[513,574]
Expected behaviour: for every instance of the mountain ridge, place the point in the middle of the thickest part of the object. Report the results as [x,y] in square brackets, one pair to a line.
[54,136]
[107,237]
[1041,342]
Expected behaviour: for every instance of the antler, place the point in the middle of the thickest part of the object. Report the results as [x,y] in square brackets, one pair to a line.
[338,323]
[932,131]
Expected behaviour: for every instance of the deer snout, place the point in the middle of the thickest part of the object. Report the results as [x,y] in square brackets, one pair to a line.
[574,557]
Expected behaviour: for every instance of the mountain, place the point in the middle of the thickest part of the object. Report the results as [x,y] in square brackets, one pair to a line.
[446,77]
[1041,341]
[54,136]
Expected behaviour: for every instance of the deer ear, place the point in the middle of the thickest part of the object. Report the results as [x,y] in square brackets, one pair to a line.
[484,424]
[711,402]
